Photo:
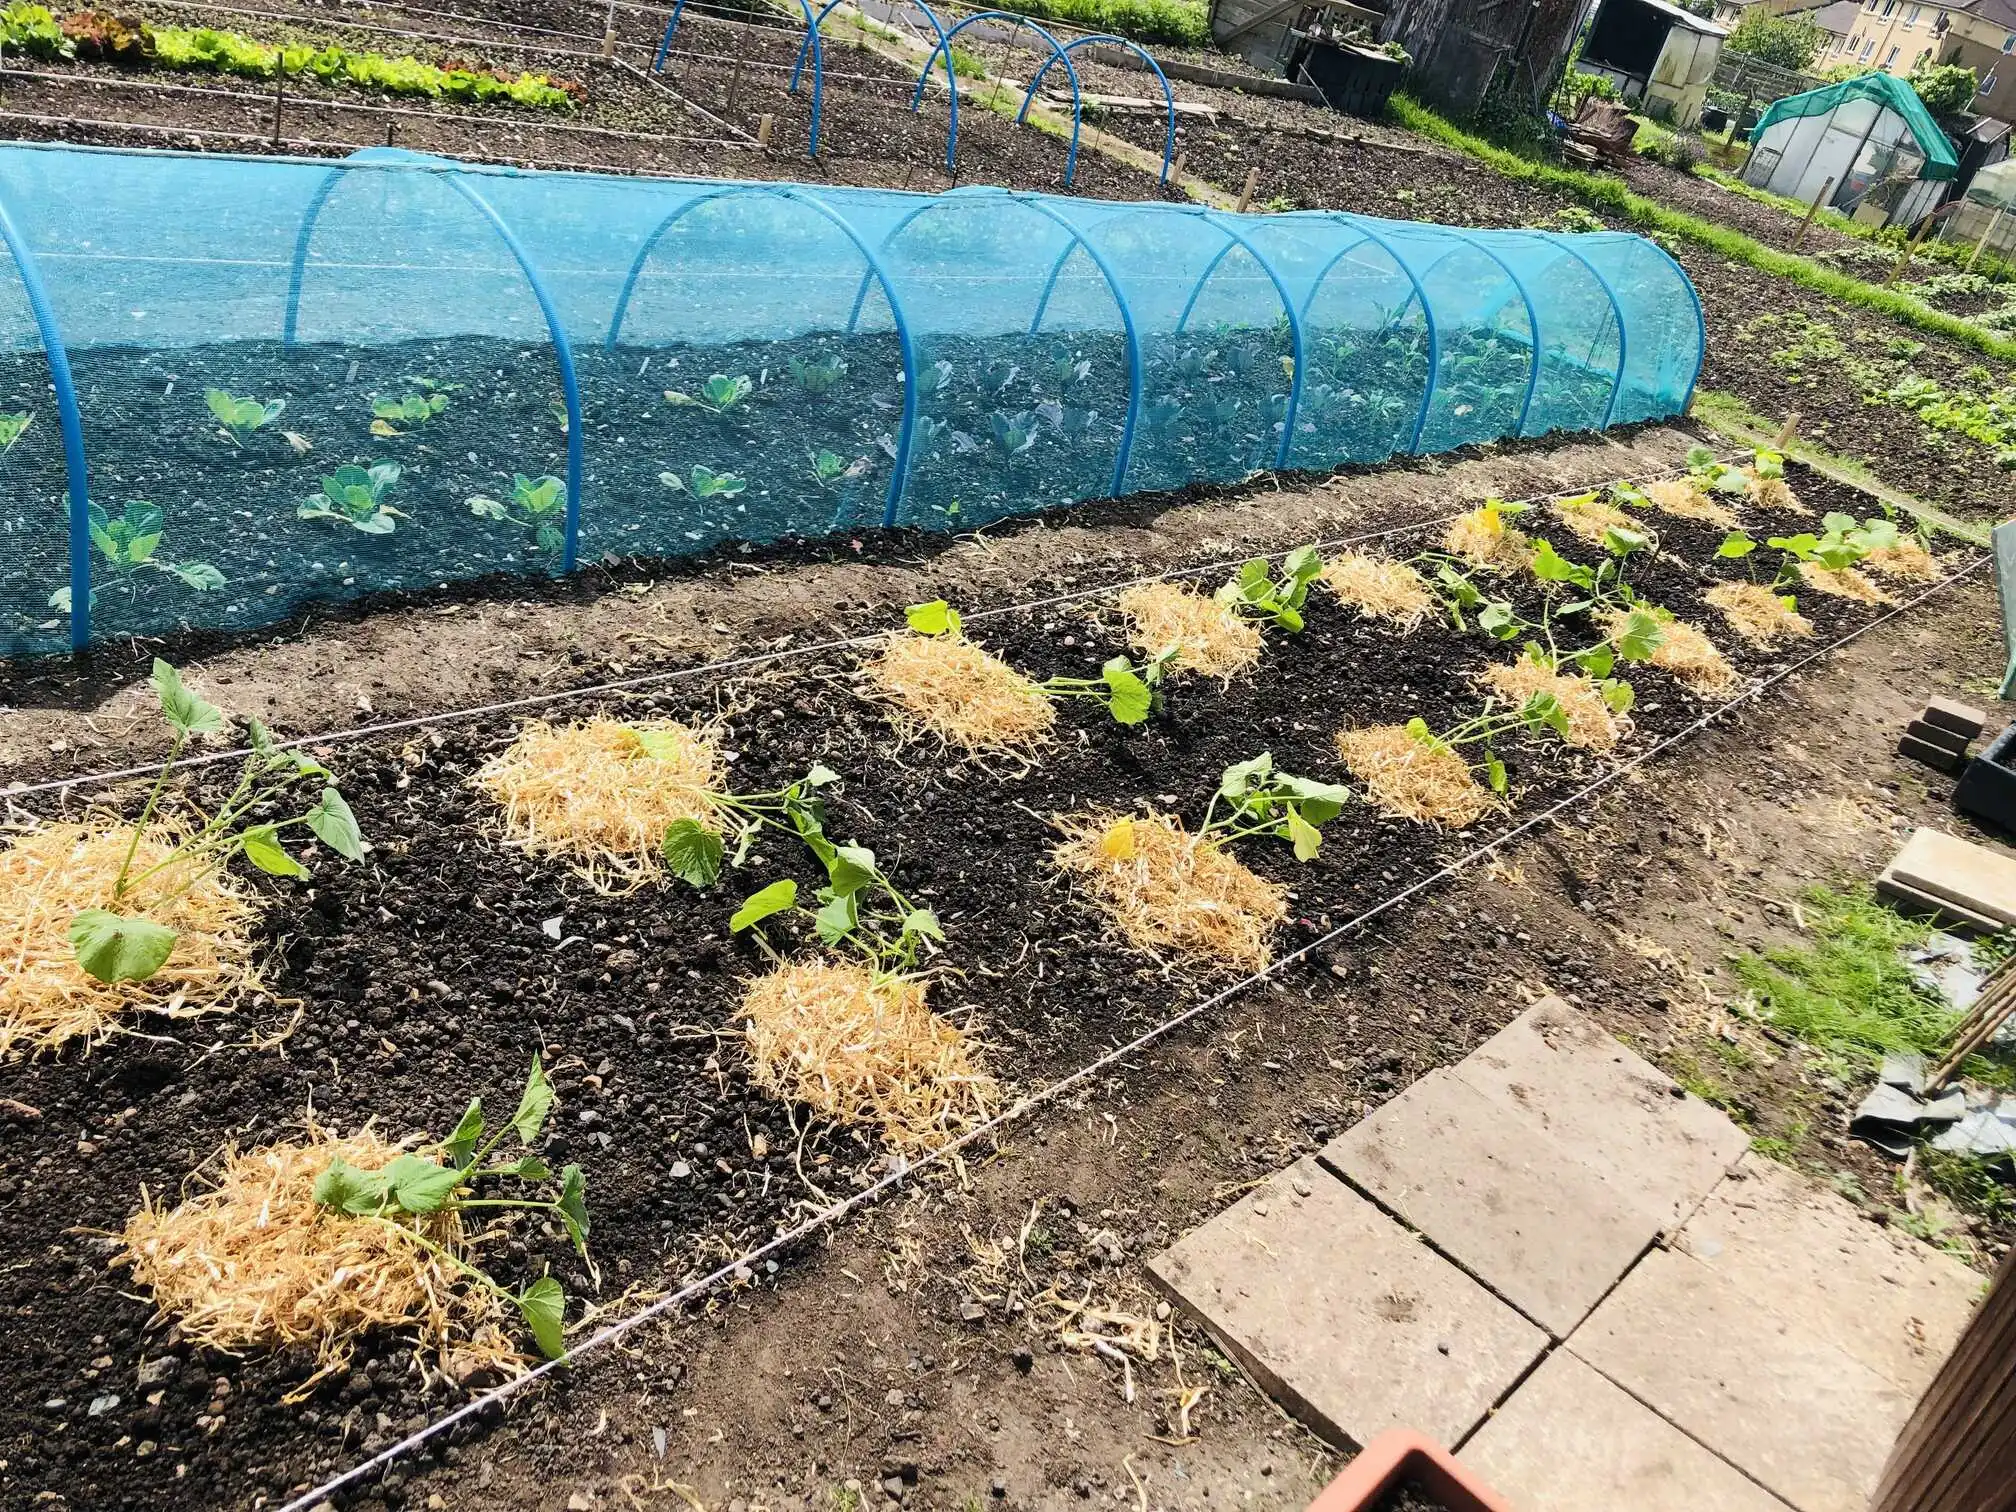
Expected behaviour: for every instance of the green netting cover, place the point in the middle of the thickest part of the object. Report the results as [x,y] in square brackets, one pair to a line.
[1885,90]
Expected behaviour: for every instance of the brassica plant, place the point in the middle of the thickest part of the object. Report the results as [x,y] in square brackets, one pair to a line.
[409,410]
[130,541]
[540,504]
[355,496]
[719,395]
[817,375]
[241,417]
[705,483]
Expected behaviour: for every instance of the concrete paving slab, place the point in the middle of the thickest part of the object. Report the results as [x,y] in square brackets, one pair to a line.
[1958,871]
[1571,1441]
[1893,1303]
[1944,910]
[1342,1316]
[1606,1106]
[1771,1395]
[1494,1192]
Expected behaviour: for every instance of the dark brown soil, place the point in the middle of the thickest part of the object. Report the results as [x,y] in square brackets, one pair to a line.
[430,974]
[1409,1496]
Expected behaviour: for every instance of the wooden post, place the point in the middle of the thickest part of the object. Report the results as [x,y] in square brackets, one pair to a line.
[279,99]
[1246,194]
[609,32]
[1176,168]
[1993,221]
[763,125]
[1956,1453]
[734,83]
[1910,250]
[1785,432]
[1811,211]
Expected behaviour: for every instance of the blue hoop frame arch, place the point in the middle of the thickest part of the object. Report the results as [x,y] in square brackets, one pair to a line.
[69,418]
[1058,54]
[1616,314]
[1168,94]
[1419,296]
[563,351]
[811,39]
[1136,363]
[1236,238]
[1525,299]
[876,269]
[944,45]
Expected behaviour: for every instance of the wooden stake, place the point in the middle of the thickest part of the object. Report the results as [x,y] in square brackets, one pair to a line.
[763,125]
[1246,194]
[609,43]
[1993,221]
[1910,249]
[1811,211]
[734,83]
[279,98]
[1785,432]
[1176,168]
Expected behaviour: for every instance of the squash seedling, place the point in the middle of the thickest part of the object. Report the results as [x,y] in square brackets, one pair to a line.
[1842,543]
[719,395]
[240,418]
[537,504]
[355,496]
[1128,691]
[1258,800]
[1543,711]
[705,483]
[116,947]
[441,1179]
[131,541]
[1257,592]
[817,376]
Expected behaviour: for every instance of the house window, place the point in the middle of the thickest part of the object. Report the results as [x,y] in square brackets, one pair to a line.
[1892,58]
[1867,48]
[2009,43]
[1889,7]
[1988,84]
[1911,17]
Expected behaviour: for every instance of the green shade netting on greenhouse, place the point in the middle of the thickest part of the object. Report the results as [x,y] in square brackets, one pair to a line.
[1893,93]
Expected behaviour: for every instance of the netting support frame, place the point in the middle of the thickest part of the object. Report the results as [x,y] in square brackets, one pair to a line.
[944,44]
[69,418]
[1420,297]
[1234,238]
[1532,319]
[811,39]
[1623,335]
[1168,94]
[1058,54]
[876,269]
[563,351]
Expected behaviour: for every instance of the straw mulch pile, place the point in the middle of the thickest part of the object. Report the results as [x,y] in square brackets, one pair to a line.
[859,1047]
[599,795]
[1172,893]
[1684,498]
[1757,614]
[1843,582]
[1483,539]
[1210,637]
[1693,660]
[1908,561]
[50,874]
[1379,587]
[1589,516]
[946,686]
[1412,779]
[1772,493]
[1591,724]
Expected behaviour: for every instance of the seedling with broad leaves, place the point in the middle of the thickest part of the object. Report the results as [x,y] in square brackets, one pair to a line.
[117,946]
[1258,592]
[13,426]
[394,417]
[1014,432]
[1255,799]
[1540,712]
[444,1178]
[355,496]
[830,469]
[1841,543]
[705,483]
[241,418]
[130,542]
[1129,691]
[537,504]
[719,395]
[819,375]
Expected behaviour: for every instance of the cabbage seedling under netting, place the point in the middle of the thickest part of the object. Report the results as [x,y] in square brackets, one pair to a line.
[230,385]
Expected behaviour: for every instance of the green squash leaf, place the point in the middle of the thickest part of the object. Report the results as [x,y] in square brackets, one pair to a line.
[113,948]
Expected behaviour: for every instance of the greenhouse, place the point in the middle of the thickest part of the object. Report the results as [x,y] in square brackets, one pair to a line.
[1868,144]
[239,384]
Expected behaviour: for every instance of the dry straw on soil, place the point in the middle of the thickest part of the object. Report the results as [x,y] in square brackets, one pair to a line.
[1772,493]
[863,1048]
[1590,515]
[600,795]
[1757,614]
[1483,539]
[1591,724]
[1908,561]
[254,1262]
[1843,582]
[1379,586]
[51,874]
[1684,498]
[1410,778]
[1172,893]
[1692,659]
[945,685]
[1211,637]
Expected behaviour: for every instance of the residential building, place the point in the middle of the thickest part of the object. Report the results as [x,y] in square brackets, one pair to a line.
[1894,36]
[1729,12]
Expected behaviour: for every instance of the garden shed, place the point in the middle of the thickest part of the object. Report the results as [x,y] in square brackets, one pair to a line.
[1659,55]
[1871,139]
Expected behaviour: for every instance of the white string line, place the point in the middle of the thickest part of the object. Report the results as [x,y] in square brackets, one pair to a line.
[832,1214]
[732,664]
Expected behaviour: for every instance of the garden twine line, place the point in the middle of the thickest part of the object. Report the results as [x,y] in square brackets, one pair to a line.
[733,664]
[828,1216]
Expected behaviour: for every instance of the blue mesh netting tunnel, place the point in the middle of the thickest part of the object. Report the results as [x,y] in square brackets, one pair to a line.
[229,385]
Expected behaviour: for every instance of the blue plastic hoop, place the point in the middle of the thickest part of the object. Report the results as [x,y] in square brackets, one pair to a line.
[1168,94]
[1567,245]
[944,44]
[71,421]
[1532,319]
[563,351]
[1420,296]
[1058,54]
[876,268]
[1236,238]
[811,38]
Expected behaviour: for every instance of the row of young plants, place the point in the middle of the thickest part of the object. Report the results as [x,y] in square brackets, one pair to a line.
[839,1016]
[104,36]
